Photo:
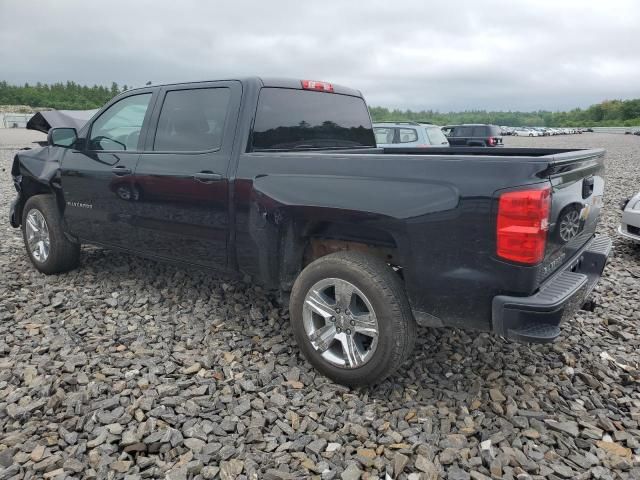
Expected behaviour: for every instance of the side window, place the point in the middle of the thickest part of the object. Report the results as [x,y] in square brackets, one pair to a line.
[408,135]
[192,120]
[383,135]
[462,132]
[479,132]
[118,128]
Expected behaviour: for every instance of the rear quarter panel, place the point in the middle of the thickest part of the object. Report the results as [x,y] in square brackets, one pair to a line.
[437,209]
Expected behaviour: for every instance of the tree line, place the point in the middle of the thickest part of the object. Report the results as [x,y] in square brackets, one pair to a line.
[61,96]
[72,96]
[610,113]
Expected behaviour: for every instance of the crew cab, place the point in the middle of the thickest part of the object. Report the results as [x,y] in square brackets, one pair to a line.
[282,180]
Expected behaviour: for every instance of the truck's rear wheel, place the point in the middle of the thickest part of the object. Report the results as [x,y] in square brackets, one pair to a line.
[48,248]
[351,318]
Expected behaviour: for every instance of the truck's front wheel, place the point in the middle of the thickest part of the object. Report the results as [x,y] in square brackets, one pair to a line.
[48,248]
[351,318]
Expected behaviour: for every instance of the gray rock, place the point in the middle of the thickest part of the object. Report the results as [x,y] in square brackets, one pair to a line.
[317,446]
[194,444]
[399,462]
[73,465]
[427,466]
[6,457]
[567,427]
[209,472]
[456,473]
[177,473]
[230,469]
[352,472]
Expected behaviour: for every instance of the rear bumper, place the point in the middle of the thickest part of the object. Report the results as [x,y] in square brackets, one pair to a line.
[537,319]
[623,231]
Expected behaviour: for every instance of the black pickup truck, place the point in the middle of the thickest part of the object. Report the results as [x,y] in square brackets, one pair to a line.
[282,180]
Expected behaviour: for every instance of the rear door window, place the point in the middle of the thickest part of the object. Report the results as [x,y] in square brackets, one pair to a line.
[479,132]
[289,119]
[384,135]
[462,132]
[192,120]
[407,135]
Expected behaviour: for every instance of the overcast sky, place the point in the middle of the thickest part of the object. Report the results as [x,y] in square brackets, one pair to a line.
[447,55]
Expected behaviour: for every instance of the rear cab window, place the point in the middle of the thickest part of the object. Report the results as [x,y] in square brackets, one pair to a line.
[289,119]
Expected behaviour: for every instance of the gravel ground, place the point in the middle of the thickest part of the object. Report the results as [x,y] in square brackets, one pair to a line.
[128,368]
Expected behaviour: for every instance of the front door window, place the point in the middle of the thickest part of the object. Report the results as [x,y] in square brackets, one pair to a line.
[118,128]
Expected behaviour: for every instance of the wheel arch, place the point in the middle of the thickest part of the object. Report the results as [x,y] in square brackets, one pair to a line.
[302,242]
[32,176]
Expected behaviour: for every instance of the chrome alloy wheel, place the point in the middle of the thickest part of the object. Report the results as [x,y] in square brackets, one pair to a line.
[340,323]
[37,236]
[569,225]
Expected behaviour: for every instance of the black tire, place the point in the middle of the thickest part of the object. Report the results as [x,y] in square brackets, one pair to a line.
[64,255]
[384,289]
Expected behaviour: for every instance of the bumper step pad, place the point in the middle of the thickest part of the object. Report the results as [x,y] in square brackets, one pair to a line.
[535,333]
[537,319]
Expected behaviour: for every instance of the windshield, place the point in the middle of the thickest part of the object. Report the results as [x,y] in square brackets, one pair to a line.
[302,119]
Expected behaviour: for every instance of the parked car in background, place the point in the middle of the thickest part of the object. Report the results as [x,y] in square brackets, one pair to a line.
[527,132]
[630,224]
[447,129]
[637,132]
[409,134]
[475,135]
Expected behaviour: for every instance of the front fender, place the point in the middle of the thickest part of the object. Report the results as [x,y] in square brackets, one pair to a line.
[34,171]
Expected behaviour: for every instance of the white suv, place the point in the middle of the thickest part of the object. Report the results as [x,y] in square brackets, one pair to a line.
[409,134]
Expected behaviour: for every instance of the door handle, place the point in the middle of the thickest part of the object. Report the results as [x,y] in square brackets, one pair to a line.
[207,177]
[121,170]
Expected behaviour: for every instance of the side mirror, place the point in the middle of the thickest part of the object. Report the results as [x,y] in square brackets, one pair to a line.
[62,137]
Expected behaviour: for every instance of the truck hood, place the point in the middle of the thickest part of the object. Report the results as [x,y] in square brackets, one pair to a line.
[43,121]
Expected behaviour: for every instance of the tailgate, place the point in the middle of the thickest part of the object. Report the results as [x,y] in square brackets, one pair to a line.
[577,180]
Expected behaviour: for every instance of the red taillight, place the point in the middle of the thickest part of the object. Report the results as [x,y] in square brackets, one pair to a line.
[492,141]
[523,223]
[319,86]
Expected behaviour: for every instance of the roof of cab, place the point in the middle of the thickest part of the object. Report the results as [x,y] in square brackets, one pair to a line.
[276,82]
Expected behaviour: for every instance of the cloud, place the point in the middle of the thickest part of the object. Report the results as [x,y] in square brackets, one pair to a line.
[413,54]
